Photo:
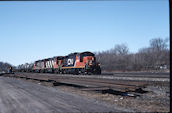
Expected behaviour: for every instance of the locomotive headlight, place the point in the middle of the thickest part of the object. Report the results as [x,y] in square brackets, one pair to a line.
[90,62]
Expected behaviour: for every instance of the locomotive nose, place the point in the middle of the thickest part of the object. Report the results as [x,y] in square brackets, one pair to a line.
[90,62]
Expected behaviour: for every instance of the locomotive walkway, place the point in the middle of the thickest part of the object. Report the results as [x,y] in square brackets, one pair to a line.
[17,96]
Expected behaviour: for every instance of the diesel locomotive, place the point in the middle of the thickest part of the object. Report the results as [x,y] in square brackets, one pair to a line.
[74,63]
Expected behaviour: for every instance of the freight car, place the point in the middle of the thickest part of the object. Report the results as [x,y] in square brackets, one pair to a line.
[74,63]
[25,67]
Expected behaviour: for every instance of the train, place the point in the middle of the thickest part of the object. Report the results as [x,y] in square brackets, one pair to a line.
[74,63]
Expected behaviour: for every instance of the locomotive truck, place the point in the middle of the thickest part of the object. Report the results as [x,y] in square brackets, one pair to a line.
[74,63]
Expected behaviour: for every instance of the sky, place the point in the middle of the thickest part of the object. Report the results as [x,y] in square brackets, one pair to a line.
[31,30]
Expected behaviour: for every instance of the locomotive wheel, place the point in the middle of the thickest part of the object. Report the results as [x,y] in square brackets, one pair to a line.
[52,70]
[55,71]
[63,71]
[76,72]
[89,73]
[98,71]
[42,71]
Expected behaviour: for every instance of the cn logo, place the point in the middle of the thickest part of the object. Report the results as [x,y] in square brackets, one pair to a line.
[69,61]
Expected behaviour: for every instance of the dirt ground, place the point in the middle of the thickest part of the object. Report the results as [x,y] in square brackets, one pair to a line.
[19,96]
[156,97]
[155,100]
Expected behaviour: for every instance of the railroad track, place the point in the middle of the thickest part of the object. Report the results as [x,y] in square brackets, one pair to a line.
[83,82]
[151,78]
[96,83]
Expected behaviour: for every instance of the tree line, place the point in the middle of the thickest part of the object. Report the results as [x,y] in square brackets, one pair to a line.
[4,66]
[154,57]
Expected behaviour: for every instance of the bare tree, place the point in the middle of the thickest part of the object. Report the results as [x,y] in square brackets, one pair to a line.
[158,44]
[4,66]
[159,50]
[153,57]
[121,49]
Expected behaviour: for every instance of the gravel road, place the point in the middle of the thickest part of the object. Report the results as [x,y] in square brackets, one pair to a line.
[17,96]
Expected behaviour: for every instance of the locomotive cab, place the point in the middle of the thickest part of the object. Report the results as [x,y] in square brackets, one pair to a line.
[81,63]
[89,62]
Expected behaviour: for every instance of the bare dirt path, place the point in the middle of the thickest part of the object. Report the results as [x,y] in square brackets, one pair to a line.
[17,96]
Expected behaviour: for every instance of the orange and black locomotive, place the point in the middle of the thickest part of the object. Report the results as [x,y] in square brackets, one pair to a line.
[74,63]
